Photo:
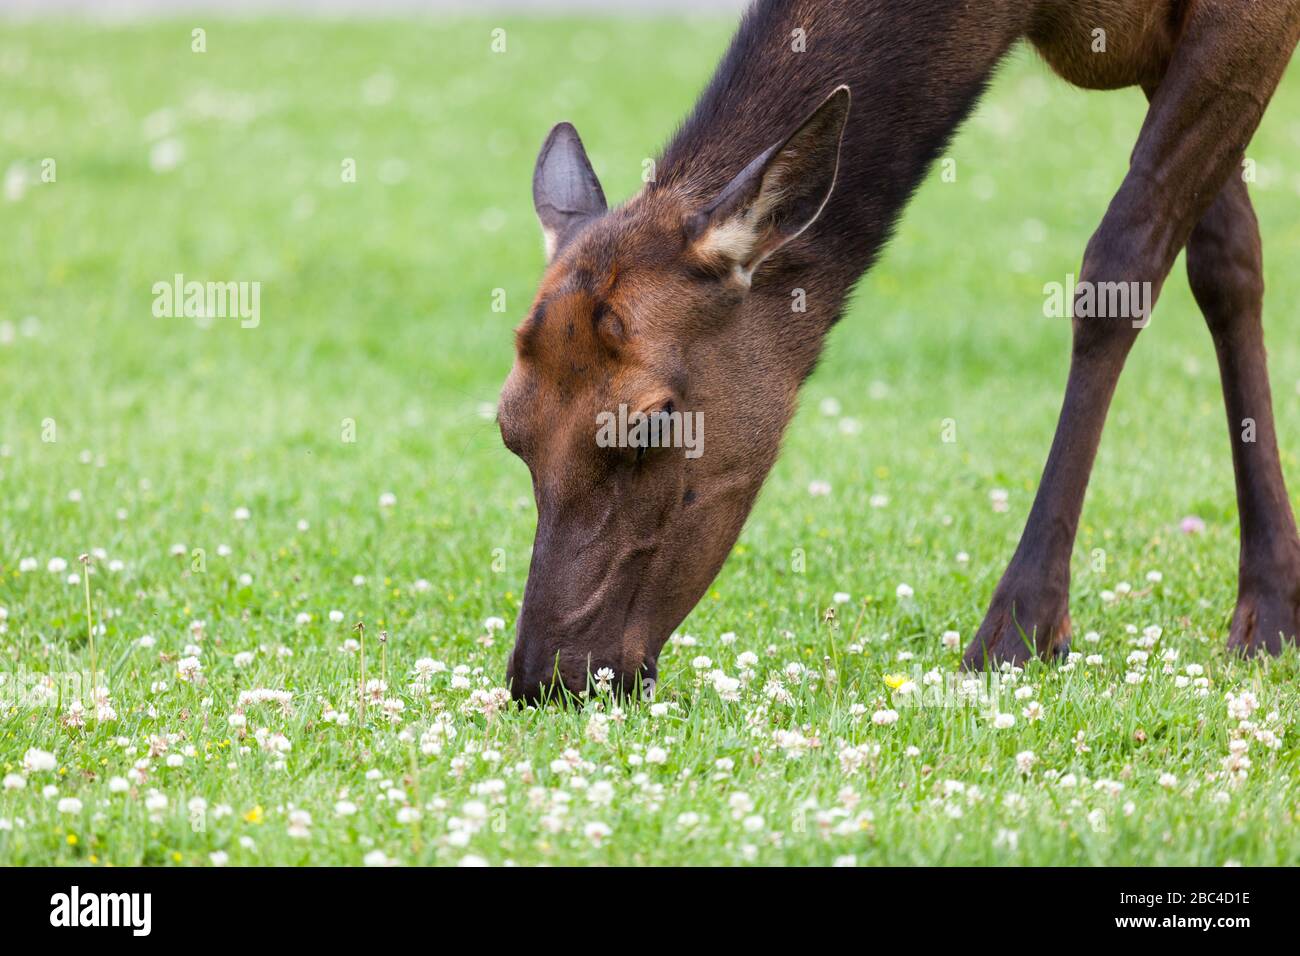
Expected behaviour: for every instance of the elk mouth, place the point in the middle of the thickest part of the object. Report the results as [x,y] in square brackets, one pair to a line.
[565,685]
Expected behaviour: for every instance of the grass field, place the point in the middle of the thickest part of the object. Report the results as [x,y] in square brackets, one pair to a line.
[207,469]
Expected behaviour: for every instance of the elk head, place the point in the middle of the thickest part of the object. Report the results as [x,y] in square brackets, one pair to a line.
[650,321]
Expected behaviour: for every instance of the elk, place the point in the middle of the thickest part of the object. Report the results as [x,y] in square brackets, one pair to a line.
[679,300]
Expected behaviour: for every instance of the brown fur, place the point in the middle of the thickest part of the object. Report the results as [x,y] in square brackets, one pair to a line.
[682,298]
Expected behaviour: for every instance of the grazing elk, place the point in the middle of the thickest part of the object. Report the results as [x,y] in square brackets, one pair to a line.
[680,299]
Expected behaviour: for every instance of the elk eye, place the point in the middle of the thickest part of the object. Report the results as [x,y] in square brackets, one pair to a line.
[657,416]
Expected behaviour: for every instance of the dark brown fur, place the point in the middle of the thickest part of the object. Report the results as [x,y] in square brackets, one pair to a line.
[681,298]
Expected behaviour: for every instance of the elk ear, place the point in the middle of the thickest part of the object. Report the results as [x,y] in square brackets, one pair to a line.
[777,196]
[566,193]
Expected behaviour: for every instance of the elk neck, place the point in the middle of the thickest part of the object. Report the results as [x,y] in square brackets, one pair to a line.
[915,70]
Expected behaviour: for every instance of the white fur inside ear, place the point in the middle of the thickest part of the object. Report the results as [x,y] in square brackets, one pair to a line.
[731,241]
[737,240]
[549,241]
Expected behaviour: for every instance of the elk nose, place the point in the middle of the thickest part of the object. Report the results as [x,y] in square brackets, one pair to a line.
[515,679]
[530,681]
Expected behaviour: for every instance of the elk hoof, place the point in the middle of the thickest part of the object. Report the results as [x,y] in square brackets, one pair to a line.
[1018,627]
[1265,621]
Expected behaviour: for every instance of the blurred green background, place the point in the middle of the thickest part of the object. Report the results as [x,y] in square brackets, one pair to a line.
[376,307]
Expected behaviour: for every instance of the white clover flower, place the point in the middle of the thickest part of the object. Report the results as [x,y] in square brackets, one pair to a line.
[727,688]
[299,824]
[740,804]
[35,760]
[792,742]
[189,669]
[1240,707]
[598,728]
[601,793]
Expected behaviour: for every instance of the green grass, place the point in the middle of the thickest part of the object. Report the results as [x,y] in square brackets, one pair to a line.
[376,307]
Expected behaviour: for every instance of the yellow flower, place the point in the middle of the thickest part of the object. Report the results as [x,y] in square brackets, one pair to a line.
[254,815]
[895,681]
[176,857]
[72,839]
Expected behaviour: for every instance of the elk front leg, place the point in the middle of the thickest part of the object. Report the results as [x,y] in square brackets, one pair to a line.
[1224,268]
[1202,115]
[1029,613]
